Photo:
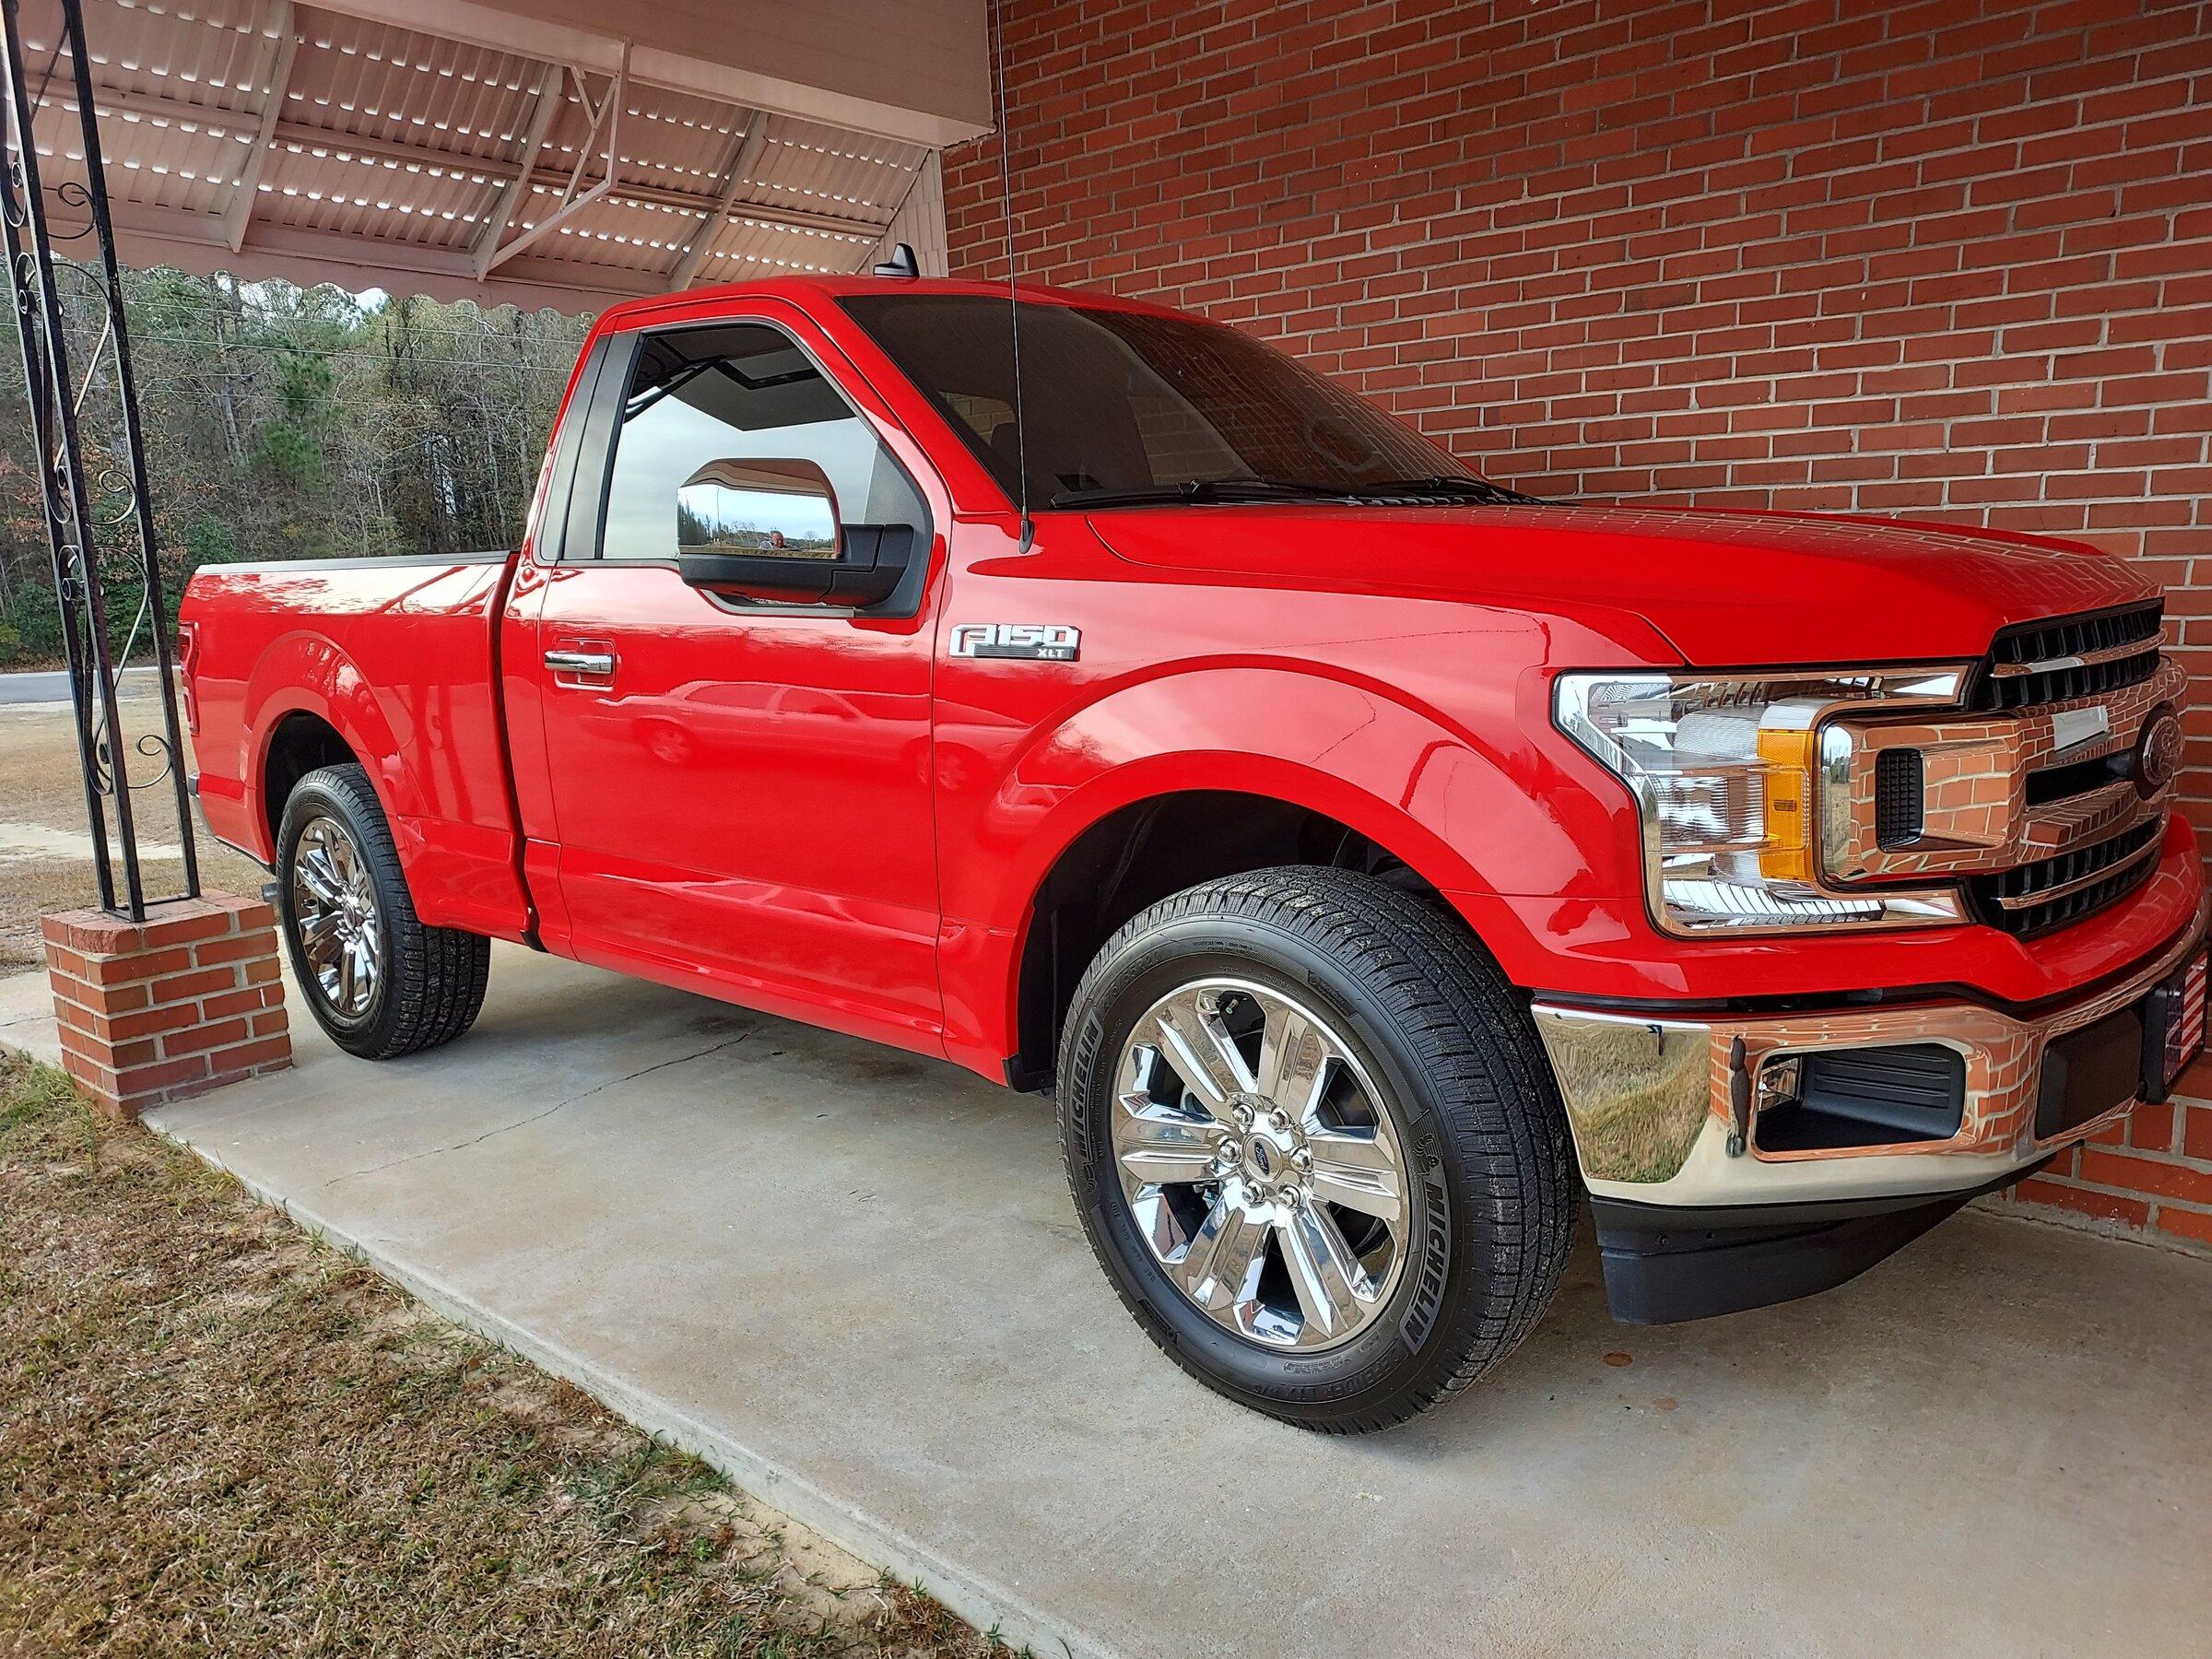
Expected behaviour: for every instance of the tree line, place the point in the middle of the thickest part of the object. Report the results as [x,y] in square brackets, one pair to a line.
[282,422]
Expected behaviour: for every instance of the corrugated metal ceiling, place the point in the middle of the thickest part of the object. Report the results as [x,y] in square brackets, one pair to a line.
[273,138]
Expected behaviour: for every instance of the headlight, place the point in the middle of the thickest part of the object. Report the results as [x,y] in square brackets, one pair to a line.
[1725,772]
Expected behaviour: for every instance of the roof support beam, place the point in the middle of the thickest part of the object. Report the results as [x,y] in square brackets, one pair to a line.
[608,115]
[276,77]
[742,162]
[193,243]
[498,170]
[510,197]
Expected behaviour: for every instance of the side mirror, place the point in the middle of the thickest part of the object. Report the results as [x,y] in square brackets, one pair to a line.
[769,529]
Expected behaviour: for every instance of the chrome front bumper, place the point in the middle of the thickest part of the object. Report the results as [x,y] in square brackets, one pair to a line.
[1650,1097]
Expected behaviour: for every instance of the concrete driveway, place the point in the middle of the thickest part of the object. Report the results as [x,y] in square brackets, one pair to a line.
[853,1280]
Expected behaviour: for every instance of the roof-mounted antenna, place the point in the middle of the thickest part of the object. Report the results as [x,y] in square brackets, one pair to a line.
[900,264]
[1006,182]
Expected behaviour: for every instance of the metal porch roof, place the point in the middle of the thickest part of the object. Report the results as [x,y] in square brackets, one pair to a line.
[266,138]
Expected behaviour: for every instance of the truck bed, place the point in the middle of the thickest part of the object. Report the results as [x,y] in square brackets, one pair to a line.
[396,657]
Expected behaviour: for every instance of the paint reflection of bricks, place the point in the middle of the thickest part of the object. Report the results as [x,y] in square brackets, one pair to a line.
[183,1002]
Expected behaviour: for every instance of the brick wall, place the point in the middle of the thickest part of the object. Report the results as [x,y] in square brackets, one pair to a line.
[1950,259]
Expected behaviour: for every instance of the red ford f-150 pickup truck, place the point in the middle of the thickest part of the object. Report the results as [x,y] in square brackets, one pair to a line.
[1371,859]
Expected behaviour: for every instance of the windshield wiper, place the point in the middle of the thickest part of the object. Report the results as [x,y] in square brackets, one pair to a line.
[1454,485]
[1199,490]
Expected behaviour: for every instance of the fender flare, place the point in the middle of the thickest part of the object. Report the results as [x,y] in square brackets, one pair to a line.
[309,674]
[1456,807]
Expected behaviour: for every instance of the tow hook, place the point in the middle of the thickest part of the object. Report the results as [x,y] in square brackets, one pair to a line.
[1739,1101]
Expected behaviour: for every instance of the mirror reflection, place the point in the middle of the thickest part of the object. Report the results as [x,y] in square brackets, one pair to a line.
[781,509]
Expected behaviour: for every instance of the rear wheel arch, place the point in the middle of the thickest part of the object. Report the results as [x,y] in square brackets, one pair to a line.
[305,695]
[301,741]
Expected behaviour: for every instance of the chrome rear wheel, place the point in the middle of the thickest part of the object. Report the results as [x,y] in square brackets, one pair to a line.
[1261,1164]
[336,918]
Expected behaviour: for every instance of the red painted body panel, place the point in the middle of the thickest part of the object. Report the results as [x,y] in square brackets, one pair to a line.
[832,818]
[396,655]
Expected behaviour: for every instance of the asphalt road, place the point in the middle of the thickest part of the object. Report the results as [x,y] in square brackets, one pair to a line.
[50,685]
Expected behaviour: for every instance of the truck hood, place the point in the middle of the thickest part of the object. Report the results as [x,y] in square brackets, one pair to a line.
[1723,588]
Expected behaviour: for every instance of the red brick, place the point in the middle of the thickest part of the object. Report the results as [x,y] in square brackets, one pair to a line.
[2150,1128]
[101,999]
[199,982]
[2146,1175]
[128,998]
[2106,1207]
[236,948]
[245,1056]
[238,1002]
[143,1081]
[131,969]
[185,930]
[201,1038]
[246,914]
[2193,1225]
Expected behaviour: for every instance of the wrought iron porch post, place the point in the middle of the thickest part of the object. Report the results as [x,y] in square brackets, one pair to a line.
[55,398]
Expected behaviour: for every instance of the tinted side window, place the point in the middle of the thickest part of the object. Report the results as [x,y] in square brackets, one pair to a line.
[737,394]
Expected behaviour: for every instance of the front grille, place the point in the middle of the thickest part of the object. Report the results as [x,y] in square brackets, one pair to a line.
[2121,646]
[2078,883]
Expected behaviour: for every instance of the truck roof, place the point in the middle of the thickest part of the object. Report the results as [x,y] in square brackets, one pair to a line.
[815,292]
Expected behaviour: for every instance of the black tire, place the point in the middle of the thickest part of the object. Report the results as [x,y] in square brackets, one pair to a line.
[1491,1170]
[432,979]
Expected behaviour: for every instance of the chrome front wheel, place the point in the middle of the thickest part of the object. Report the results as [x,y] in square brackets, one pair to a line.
[1261,1164]
[336,918]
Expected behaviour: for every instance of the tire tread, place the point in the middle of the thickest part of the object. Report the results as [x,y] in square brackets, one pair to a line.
[437,975]
[1456,1009]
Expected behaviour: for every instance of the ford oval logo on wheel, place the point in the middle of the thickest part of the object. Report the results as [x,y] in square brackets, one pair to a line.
[2158,753]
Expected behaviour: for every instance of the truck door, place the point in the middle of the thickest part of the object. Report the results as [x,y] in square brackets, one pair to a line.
[740,789]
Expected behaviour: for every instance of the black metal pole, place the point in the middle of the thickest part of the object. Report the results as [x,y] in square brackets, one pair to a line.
[126,392]
[72,576]
[67,582]
[73,532]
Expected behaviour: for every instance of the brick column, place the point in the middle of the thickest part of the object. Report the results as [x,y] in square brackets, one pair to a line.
[185,1000]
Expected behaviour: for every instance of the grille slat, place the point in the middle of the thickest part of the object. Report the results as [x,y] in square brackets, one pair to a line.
[2070,659]
[2015,682]
[2036,898]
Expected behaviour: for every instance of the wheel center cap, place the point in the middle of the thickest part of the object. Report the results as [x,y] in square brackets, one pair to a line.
[1267,1151]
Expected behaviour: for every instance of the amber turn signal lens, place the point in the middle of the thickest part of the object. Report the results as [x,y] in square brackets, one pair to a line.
[1786,852]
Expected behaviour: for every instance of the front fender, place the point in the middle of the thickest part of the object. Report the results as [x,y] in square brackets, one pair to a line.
[1475,813]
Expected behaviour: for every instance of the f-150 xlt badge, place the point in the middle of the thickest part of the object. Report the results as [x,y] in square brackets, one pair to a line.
[1031,641]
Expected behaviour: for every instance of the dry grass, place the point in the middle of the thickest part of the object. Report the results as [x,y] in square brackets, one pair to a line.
[1643,1125]
[40,786]
[216,1435]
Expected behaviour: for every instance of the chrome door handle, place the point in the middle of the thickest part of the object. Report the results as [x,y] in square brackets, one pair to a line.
[599,664]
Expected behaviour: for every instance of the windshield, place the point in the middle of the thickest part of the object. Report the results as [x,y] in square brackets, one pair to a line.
[1131,403]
